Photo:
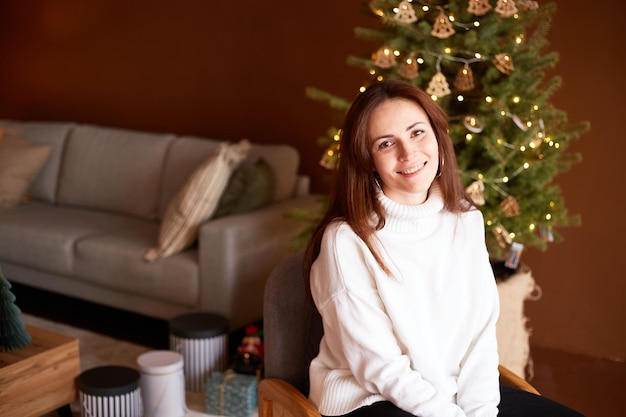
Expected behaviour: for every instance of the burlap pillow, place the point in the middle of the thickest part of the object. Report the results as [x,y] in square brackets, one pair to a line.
[20,163]
[197,200]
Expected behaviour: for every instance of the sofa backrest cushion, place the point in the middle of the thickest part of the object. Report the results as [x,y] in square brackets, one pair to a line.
[114,170]
[54,134]
[187,152]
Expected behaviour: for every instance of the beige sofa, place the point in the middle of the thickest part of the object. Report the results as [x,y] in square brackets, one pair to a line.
[96,206]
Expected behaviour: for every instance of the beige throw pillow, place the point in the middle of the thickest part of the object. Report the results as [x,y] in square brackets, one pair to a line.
[197,200]
[20,163]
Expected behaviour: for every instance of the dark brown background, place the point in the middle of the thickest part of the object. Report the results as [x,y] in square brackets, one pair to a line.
[229,70]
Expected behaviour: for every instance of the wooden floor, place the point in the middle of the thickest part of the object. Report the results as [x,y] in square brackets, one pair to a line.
[594,387]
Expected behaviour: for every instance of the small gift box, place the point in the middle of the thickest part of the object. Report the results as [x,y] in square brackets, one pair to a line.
[231,394]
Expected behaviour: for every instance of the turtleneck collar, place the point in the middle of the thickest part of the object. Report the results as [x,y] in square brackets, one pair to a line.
[420,218]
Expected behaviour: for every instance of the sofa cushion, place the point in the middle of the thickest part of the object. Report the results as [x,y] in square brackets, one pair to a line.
[20,163]
[284,161]
[250,187]
[114,169]
[113,259]
[54,134]
[44,237]
[197,200]
[183,156]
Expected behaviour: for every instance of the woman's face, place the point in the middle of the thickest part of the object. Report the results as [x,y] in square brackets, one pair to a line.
[404,150]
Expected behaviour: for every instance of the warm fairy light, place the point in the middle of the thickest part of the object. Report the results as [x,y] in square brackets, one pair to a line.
[434,97]
[480,176]
[448,50]
[512,235]
[548,216]
[362,89]
[532,227]
[476,23]
[526,165]
[519,39]
[522,148]
[505,179]
[529,124]
[337,136]
[396,53]
[516,99]
[499,141]
[552,204]
[372,72]
[489,222]
[535,107]
[425,8]
[477,55]
[460,98]
[379,78]
[488,99]
[502,113]
[451,18]
[379,12]
[420,60]
[540,135]
[469,137]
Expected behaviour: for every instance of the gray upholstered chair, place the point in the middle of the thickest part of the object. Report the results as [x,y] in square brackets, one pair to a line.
[292,329]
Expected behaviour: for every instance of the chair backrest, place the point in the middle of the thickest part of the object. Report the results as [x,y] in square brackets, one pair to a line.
[292,326]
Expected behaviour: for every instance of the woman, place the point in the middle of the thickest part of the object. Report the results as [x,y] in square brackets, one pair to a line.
[400,273]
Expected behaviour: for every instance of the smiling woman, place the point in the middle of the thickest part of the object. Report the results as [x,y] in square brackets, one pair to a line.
[399,271]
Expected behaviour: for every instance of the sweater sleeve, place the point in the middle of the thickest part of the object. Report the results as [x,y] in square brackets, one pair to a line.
[478,378]
[358,334]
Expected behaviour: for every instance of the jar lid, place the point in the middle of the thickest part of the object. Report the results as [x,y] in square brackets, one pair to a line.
[160,362]
[108,381]
[198,325]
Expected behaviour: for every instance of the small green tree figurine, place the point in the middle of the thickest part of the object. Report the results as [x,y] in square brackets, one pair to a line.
[13,333]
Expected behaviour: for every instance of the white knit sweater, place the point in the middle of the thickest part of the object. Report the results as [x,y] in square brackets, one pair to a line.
[423,339]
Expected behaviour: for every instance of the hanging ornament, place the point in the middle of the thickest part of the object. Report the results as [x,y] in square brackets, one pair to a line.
[506,8]
[409,69]
[510,206]
[438,85]
[546,233]
[329,158]
[514,256]
[442,28]
[504,63]
[527,5]
[472,124]
[384,58]
[405,13]
[478,7]
[464,80]
[476,191]
[502,236]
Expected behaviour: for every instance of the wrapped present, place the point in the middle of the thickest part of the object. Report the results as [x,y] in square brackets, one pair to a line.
[231,394]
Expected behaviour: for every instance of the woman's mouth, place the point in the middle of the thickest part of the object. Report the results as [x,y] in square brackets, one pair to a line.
[412,170]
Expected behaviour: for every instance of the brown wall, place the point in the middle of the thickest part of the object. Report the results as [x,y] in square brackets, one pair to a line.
[229,70]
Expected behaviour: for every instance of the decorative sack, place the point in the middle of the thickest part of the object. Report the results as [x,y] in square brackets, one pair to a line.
[231,394]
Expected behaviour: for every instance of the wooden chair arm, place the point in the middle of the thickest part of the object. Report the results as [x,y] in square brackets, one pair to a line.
[511,379]
[278,398]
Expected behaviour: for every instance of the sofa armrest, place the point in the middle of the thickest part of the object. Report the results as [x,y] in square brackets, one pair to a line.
[238,252]
[277,398]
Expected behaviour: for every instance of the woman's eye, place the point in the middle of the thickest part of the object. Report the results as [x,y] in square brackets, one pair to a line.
[385,144]
[417,132]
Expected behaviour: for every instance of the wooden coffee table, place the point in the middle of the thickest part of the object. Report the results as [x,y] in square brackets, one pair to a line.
[40,377]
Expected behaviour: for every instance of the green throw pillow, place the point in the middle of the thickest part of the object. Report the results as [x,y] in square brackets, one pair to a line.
[250,187]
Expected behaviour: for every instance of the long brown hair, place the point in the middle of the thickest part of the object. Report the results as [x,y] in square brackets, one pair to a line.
[354,197]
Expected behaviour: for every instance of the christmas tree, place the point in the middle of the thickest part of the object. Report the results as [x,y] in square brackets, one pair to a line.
[13,333]
[483,62]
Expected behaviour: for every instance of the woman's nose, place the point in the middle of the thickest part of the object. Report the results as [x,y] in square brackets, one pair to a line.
[405,152]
